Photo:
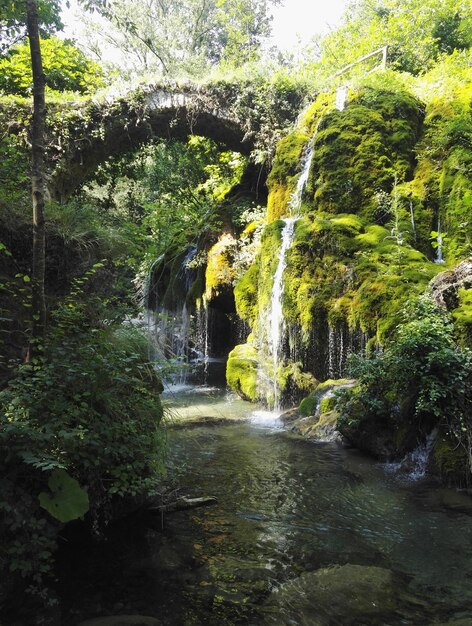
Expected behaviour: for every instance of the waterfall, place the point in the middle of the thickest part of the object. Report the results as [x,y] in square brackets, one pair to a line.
[276,319]
[341,97]
[412,216]
[295,202]
[439,241]
[275,324]
[415,464]
[331,351]
[202,340]
[169,327]
[419,458]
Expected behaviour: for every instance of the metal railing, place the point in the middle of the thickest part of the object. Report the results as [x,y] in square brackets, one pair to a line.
[382,65]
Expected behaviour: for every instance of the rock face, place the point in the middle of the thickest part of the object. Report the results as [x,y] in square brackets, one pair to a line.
[348,594]
[452,290]
[347,274]
[445,286]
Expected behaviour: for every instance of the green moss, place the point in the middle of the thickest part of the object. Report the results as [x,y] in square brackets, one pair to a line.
[219,270]
[373,236]
[349,223]
[327,404]
[308,406]
[359,150]
[442,185]
[293,382]
[267,261]
[245,294]
[241,371]
[451,461]
[323,103]
[284,173]
[462,316]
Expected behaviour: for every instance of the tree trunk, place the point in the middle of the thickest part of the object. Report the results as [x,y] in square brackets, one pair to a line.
[37,177]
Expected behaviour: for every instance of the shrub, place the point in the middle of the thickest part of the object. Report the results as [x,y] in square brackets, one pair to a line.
[83,415]
[422,379]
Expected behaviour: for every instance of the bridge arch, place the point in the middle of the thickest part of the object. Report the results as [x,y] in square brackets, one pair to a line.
[121,126]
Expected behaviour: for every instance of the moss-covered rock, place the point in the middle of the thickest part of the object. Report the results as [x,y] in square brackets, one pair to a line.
[246,293]
[219,273]
[324,391]
[293,382]
[284,173]
[359,151]
[241,371]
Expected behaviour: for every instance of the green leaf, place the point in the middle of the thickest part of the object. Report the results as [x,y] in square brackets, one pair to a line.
[67,500]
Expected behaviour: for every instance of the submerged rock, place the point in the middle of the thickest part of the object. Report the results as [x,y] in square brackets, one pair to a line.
[347,594]
[122,620]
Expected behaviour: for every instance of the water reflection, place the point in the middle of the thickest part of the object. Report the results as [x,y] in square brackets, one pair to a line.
[288,512]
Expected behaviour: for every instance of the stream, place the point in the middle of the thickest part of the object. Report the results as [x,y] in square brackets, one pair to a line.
[303,534]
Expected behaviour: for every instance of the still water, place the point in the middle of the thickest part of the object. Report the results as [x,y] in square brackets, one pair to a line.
[303,533]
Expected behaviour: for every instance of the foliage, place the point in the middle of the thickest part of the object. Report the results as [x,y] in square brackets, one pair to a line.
[65,66]
[13,20]
[66,500]
[88,405]
[169,193]
[422,379]
[180,38]
[416,31]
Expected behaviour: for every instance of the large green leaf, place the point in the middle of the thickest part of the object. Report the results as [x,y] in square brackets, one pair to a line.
[67,500]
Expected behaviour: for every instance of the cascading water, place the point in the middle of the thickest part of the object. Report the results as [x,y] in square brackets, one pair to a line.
[439,241]
[415,464]
[276,319]
[412,217]
[170,328]
[341,97]
[295,202]
[202,337]
[275,328]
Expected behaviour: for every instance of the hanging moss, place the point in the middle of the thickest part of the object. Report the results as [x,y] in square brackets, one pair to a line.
[267,262]
[442,186]
[219,270]
[245,294]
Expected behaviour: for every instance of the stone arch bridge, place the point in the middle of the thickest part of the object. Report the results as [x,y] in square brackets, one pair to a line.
[228,114]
